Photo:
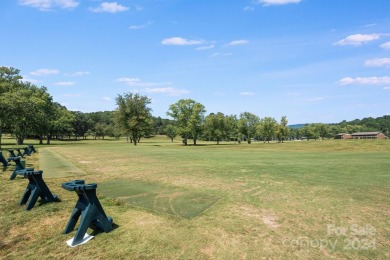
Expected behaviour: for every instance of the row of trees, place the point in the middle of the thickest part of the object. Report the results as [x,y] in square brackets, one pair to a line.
[27,110]
[30,111]
[189,122]
[381,124]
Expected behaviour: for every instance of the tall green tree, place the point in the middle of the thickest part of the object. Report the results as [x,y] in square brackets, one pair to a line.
[158,126]
[232,128]
[26,109]
[267,128]
[384,124]
[43,112]
[311,131]
[282,130]
[170,131]
[99,122]
[80,124]
[133,115]
[215,126]
[324,130]
[247,125]
[61,123]
[188,115]
[9,80]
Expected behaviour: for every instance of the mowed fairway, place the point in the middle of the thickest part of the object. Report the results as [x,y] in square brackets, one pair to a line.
[296,200]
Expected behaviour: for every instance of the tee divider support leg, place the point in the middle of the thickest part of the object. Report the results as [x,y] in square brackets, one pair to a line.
[88,208]
[36,188]
[3,160]
[32,148]
[25,151]
[18,152]
[11,153]
[19,166]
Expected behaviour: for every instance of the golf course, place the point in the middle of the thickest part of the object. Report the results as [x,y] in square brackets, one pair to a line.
[326,199]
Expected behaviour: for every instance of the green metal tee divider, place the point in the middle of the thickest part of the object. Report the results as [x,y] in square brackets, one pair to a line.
[20,165]
[36,188]
[89,208]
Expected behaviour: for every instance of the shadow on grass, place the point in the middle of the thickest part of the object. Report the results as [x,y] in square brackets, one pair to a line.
[96,231]
[42,202]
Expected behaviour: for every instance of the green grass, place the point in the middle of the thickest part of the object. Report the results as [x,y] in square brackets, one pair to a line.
[157,198]
[209,201]
[54,165]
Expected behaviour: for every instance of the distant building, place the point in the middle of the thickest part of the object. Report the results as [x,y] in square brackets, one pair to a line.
[343,136]
[368,135]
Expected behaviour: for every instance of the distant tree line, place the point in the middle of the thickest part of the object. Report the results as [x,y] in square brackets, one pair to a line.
[326,131]
[30,111]
[27,110]
[189,122]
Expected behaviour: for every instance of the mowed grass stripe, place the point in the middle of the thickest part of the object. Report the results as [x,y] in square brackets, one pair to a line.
[55,165]
[158,198]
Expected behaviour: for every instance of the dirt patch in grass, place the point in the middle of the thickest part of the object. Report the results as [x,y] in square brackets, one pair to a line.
[271,221]
[85,162]
[249,212]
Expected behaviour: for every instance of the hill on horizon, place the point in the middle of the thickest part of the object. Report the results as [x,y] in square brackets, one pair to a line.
[296,126]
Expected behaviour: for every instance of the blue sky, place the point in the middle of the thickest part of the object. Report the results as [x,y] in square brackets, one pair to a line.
[310,60]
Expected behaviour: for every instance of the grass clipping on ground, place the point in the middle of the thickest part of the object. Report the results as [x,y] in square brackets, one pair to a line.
[158,198]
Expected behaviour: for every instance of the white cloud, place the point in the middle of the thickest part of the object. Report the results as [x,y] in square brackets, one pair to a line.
[247,94]
[136,82]
[238,42]
[106,99]
[180,41]
[64,83]
[386,45]
[202,48]
[109,7]
[44,72]
[380,62]
[78,74]
[169,91]
[27,79]
[128,80]
[153,87]
[358,39]
[364,81]
[47,5]
[386,88]
[370,25]
[249,8]
[138,27]
[277,2]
